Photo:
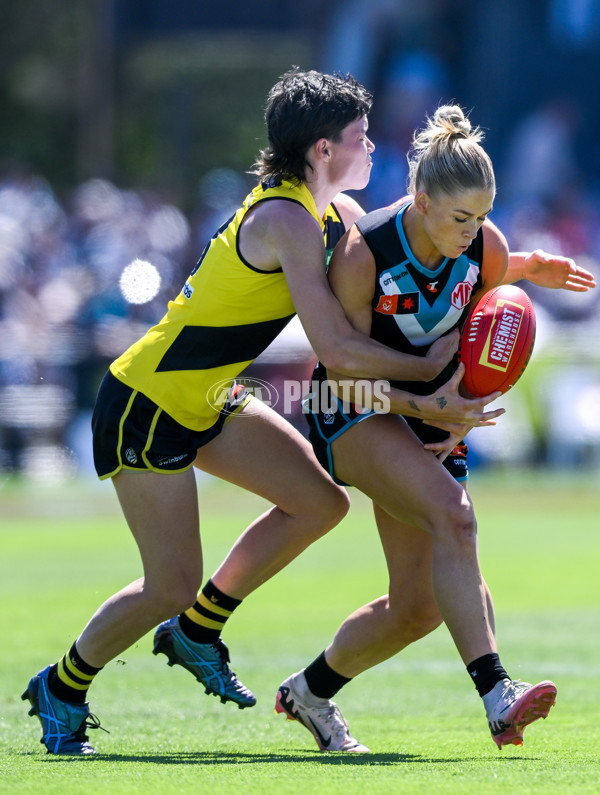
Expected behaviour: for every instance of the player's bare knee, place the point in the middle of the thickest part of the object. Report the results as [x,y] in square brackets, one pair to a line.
[173,595]
[424,621]
[318,511]
[332,506]
[414,622]
[455,522]
[464,530]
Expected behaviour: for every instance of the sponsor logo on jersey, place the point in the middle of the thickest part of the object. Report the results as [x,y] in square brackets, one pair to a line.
[188,290]
[432,287]
[394,278]
[461,295]
[404,304]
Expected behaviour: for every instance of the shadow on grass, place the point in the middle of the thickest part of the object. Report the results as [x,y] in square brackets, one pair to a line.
[206,758]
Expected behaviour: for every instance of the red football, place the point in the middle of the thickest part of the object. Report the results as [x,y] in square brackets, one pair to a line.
[497,340]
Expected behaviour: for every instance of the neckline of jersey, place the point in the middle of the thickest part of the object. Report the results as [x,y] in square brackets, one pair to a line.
[407,249]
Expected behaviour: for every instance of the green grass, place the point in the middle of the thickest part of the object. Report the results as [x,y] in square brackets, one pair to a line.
[64,551]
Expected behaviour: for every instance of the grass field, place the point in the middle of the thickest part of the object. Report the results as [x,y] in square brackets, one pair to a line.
[63,551]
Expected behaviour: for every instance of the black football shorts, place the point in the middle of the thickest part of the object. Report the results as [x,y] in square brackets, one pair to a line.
[325,427]
[132,432]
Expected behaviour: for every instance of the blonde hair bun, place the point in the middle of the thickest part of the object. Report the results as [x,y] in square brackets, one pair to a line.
[446,154]
[452,120]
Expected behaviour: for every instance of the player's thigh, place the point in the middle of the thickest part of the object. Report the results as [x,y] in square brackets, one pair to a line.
[383,458]
[162,512]
[263,453]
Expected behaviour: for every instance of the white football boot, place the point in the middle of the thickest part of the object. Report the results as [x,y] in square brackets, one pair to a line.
[320,716]
[512,705]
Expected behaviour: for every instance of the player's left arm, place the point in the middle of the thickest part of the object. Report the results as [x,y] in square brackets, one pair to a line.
[548,270]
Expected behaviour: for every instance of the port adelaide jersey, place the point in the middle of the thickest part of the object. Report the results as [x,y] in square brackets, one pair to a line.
[227,313]
[413,305]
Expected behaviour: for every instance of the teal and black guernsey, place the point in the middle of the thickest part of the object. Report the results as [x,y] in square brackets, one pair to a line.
[412,305]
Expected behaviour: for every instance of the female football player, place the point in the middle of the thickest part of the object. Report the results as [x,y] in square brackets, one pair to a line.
[406,275]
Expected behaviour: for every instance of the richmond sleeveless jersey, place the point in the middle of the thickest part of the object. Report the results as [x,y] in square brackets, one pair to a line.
[412,305]
[227,313]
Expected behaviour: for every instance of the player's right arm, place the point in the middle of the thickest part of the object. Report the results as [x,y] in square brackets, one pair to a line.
[339,344]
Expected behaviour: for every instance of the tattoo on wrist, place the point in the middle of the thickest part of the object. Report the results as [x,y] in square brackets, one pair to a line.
[413,405]
[442,402]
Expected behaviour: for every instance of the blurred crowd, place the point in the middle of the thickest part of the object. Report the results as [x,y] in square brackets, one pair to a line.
[79,281]
[82,277]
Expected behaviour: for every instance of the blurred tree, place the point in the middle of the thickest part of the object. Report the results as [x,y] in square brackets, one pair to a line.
[84,93]
[193,102]
[39,51]
[96,89]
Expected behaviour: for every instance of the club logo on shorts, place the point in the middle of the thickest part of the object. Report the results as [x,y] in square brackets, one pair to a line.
[131,455]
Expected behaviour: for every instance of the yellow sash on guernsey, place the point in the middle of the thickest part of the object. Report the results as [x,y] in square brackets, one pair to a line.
[226,314]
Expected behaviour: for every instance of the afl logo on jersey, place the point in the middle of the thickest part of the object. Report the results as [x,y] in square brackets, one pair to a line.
[398,304]
[461,295]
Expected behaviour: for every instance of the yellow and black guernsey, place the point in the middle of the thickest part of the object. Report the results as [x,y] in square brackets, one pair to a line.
[227,313]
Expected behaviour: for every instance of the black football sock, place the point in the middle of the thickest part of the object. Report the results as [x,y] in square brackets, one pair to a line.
[71,677]
[322,680]
[204,621]
[486,672]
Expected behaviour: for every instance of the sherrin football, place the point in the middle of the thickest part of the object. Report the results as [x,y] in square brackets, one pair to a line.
[497,340]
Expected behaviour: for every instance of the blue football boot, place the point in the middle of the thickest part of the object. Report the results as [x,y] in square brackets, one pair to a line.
[208,662]
[63,723]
